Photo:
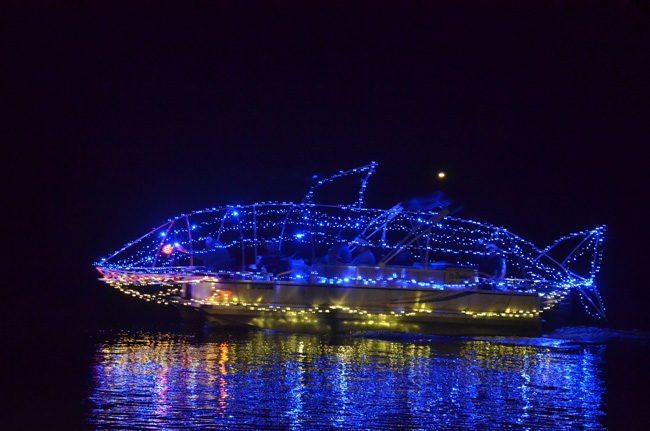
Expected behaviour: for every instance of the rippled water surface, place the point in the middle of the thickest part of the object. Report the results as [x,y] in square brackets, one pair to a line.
[267,380]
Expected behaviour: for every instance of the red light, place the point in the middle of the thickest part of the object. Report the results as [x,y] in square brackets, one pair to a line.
[167,249]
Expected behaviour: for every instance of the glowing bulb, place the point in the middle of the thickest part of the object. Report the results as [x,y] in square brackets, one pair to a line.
[441,175]
[163,234]
[235,213]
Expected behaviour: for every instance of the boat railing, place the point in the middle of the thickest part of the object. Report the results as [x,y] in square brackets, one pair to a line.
[441,277]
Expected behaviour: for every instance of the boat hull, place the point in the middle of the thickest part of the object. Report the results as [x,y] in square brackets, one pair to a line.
[343,308]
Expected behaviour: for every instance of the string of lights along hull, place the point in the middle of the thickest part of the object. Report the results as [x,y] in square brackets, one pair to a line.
[311,266]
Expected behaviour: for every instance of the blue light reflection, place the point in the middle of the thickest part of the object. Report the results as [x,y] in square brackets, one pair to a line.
[266,380]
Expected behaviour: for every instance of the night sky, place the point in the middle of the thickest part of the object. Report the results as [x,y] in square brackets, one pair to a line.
[117,117]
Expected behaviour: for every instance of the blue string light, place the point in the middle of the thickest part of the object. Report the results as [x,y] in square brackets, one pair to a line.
[306,230]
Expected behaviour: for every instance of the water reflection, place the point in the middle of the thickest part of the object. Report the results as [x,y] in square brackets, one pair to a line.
[265,380]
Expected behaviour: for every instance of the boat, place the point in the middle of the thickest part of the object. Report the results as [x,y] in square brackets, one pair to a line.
[310,266]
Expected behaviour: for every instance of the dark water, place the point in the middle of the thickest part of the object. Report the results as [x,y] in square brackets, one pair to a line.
[268,380]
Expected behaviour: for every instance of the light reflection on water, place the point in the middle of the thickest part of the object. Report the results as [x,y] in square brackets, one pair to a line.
[266,380]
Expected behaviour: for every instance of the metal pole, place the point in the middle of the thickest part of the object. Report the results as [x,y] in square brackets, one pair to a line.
[223,219]
[426,256]
[241,239]
[189,235]
[255,234]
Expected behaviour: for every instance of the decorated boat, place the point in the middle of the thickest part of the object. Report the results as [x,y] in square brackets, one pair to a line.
[310,266]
